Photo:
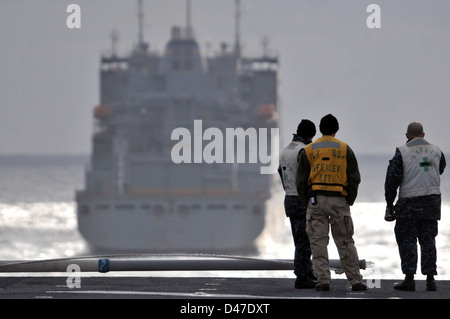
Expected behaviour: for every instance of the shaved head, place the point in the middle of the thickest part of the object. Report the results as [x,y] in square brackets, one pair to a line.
[415,129]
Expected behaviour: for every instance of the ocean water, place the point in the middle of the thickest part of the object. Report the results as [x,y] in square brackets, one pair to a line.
[38,217]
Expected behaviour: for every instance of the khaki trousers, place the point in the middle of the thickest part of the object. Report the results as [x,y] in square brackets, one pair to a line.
[334,211]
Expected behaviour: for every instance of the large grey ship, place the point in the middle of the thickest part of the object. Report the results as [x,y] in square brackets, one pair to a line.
[136,197]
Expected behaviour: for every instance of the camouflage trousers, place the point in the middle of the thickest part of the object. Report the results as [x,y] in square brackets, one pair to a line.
[335,212]
[297,216]
[407,231]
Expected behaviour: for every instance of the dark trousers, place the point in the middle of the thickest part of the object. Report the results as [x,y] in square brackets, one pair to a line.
[407,232]
[297,216]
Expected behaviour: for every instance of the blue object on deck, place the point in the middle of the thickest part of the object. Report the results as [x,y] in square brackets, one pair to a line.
[103,265]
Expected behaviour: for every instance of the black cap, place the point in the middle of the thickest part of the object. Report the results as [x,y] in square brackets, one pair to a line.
[306,128]
[329,125]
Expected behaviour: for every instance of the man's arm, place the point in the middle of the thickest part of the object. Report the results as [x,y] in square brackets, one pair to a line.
[280,172]
[302,176]
[353,176]
[442,164]
[394,177]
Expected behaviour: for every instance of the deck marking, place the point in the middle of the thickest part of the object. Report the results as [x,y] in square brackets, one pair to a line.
[184,294]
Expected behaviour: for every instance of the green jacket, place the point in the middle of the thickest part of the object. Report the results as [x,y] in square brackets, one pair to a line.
[353,177]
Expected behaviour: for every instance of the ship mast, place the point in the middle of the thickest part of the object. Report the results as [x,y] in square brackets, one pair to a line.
[114,39]
[141,44]
[237,43]
[189,33]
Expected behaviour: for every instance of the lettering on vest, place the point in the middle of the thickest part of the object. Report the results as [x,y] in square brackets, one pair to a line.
[328,161]
[420,168]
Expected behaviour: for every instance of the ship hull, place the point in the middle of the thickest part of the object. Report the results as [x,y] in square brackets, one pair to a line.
[158,182]
[162,226]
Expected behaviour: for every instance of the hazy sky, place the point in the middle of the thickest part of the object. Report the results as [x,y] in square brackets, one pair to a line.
[375,81]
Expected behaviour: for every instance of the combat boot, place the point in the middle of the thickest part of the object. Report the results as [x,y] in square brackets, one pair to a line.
[312,276]
[304,282]
[323,287]
[360,286]
[431,283]
[406,285]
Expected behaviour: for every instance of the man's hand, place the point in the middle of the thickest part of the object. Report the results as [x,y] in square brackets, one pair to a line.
[389,216]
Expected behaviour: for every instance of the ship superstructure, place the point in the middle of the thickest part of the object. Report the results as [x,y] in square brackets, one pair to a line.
[136,198]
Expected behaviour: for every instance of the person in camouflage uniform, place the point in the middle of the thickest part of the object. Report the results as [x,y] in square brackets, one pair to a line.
[415,170]
[294,209]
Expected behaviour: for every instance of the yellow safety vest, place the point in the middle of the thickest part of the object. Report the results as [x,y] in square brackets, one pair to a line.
[327,157]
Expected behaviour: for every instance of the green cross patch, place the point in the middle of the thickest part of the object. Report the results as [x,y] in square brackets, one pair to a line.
[425,164]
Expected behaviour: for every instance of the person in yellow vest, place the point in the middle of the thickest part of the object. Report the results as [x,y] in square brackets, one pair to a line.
[327,182]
